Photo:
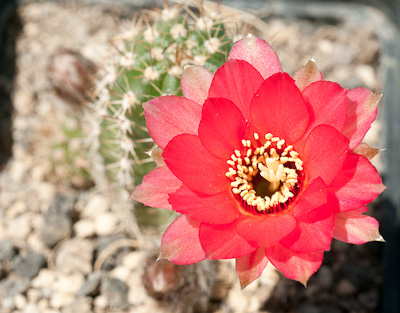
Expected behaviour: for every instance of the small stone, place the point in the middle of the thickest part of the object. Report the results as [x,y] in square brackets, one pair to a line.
[61,299]
[137,293]
[44,279]
[12,286]
[28,266]
[81,305]
[20,301]
[33,295]
[17,208]
[57,221]
[8,303]
[105,224]
[116,292]
[101,302]
[7,250]
[19,228]
[91,285]
[96,204]
[133,260]
[75,255]
[70,283]
[120,272]
[367,75]
[84,228]
[345,288]
[369,300]
[325,277]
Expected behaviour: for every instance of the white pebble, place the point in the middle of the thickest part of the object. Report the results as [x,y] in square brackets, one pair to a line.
[96,204]
[133,260]
[84,228]
[101,302]
[19,228]
[61,299]
[121,272]
[69,283]
[16,209]
[105,224]
[44,279]
[19,301]
[31,308]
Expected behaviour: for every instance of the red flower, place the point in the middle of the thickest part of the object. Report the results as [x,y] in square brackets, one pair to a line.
[262,167]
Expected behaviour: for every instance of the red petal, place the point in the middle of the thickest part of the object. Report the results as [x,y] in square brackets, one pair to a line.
[363,107]
[237,81]
[155,188]
[195,83]
[307,74]
[223,242]
[169,116]
[314,196]
[222,127]
[354,227]
[324,153]
[365,150]
[267,230]
[278,108]
[195,166]
[258,53]
[297,266]
[357,183]
[221,208]
[250,267]
[313,231]
[329,103]
[180,243]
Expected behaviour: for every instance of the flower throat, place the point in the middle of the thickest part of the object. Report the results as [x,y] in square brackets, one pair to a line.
[266,176]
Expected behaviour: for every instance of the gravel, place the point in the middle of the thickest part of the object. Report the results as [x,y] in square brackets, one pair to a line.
[68,247]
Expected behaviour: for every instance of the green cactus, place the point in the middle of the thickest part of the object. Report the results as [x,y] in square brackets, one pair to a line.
[148,62]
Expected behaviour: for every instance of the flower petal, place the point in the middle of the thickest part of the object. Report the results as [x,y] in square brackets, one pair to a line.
[155,188]
[329,103]
[313,231]
[294,265]
[278,108]
[195,83]
[258,53]
[314,196]
[195,166]
[250,267]
[222,127]
[169,116]
[324,153]
[180,243]
[354,227]
[267,230]
[364,149]
[357,183]
[237,81]
[307,74]
[223,242]
[221,208]
[363,108]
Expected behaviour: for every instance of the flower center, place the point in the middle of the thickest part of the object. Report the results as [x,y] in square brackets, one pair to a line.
[267,175]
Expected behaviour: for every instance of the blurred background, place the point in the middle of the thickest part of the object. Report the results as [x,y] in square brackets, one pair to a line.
[73,143]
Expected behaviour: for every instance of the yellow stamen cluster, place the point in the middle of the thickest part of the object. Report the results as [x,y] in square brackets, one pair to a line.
[275,162]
